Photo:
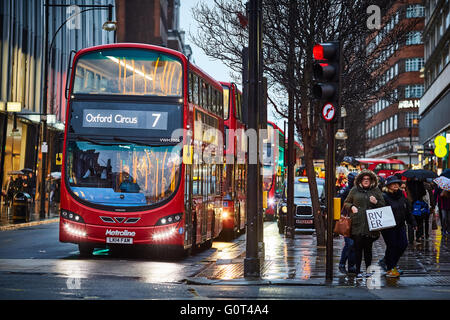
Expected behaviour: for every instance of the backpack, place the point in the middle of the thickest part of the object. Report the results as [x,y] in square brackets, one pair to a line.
[420,208]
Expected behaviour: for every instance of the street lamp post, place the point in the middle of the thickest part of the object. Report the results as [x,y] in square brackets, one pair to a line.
[108,26]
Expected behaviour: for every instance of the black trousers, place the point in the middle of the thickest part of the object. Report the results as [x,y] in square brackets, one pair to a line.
[396,244]
[363,245]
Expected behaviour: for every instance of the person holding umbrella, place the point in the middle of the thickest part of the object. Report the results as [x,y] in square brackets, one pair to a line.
[443,201]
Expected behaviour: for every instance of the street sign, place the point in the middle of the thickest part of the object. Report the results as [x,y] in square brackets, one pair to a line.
[328,112]
[44,147]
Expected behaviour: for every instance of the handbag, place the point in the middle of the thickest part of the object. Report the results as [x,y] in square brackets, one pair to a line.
[343,226]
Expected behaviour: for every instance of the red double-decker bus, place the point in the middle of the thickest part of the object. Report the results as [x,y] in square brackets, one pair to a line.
[235,169]
[274,169]
[135,134]
[381,166]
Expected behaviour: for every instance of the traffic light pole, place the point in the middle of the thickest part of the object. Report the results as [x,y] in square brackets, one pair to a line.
[327,71]
[330,185]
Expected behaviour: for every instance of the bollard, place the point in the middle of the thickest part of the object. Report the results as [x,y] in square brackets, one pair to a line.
[337,208]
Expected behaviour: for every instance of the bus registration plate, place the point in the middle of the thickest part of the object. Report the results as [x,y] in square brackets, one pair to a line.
[299,221]
[119,240]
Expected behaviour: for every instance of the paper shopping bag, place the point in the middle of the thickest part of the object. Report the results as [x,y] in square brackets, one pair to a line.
[380,218]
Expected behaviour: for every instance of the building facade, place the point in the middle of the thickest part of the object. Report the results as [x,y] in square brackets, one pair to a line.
[151,21]
[392,131]
[435,104]
[21,75]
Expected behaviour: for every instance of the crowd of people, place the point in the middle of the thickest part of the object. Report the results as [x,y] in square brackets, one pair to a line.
[414,203]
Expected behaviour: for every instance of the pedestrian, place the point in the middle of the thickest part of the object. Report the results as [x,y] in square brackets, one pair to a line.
[363,196]
[432,205]
[341,181]
[420,200]
[443,201]
[348,251]
[395,238]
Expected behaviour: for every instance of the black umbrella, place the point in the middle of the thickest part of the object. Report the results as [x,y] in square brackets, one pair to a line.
[419,174]
[446,173]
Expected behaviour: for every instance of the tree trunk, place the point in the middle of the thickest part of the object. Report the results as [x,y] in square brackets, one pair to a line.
[319,223]
[309,163]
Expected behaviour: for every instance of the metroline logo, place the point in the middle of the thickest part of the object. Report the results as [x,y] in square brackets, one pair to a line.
[120,233]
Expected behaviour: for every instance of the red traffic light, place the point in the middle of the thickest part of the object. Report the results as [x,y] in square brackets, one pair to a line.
[318,52]
[326,71]
[326,51]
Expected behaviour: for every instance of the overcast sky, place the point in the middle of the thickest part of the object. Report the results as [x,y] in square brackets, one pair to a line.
[213,67]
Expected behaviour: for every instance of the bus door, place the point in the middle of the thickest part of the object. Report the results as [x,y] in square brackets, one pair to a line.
[242,204]
[239,221]
[197,201]
[219,200]
[205,202]
[216,199]
[188,206]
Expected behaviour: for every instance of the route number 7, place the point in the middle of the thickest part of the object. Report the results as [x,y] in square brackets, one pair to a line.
[157,116]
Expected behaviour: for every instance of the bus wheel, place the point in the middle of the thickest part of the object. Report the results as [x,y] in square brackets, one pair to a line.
[178,252]
[207,244]
[85,249]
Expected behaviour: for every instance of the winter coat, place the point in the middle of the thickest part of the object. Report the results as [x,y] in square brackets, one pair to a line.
[401,208]
[359,197]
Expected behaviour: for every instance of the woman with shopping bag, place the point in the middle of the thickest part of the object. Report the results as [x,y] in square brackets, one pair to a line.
[395,237]
[364,195]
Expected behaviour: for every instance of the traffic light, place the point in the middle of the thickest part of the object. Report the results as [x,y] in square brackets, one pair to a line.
[326,70]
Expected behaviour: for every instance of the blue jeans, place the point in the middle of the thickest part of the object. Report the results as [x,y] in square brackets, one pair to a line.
[348,253]
[396,244]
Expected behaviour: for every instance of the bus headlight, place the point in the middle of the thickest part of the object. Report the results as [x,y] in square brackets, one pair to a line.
[71,216]
[225,214]
[164,235]
[271,202]
[174,218]
[284,209]
[74,231]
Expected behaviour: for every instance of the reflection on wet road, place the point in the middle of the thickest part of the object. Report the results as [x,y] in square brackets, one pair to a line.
[300,259]
[36,250]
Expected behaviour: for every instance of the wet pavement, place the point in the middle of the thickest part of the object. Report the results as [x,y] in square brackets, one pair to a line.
[299,261]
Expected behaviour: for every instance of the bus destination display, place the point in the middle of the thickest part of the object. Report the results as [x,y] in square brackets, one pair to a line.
[131,119]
